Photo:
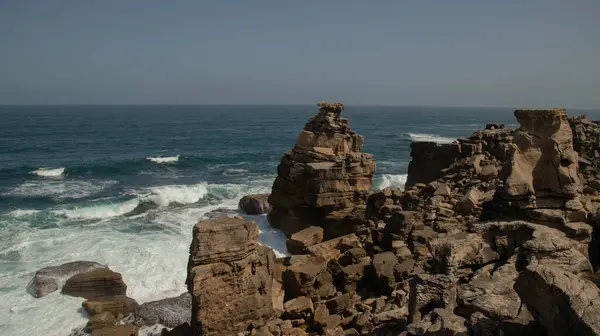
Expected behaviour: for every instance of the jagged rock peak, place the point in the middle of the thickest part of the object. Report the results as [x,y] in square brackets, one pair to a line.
[323,178]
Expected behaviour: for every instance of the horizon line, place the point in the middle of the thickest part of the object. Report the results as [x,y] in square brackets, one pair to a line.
[279,104]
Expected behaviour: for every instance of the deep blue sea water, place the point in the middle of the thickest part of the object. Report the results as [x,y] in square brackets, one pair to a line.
[123,185]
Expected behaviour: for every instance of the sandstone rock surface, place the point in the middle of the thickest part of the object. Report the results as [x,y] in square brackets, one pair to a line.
[50,279]
[97,283]
[323,178]
[230,277]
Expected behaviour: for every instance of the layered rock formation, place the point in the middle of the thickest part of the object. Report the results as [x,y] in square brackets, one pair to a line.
[324,178]
[230,277]
[461,250]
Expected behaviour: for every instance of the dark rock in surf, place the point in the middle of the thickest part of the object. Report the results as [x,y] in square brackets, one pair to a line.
[53,278]
[170,312]
[256,204]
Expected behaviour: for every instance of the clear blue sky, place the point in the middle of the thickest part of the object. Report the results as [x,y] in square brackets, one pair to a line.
[457,53]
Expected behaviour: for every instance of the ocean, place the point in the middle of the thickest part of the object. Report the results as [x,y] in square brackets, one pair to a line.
[123,186]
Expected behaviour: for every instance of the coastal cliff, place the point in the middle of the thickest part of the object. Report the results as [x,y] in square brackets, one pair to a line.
[495,234]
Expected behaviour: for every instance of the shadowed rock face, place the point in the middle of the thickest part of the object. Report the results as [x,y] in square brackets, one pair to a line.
[323,178]
[230,277]
[561,301]
[428,160]
[543,162]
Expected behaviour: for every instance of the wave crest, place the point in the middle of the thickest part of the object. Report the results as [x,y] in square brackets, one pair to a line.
[49,172]
[234,172]
[423,137]
[163,159]
[100,211]
[179,194]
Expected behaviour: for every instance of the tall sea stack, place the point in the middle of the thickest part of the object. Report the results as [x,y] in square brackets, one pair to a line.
[323,178]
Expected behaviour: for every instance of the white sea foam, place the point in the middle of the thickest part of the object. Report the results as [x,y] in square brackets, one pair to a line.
[163,159]
[23,212]
[223,165]
[152,261]
[178,194]
[100,211]
[49,172]
[389,180]
[430,138]
[59,188]
[234,172]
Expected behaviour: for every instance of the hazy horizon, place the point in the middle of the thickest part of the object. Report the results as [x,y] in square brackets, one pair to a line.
[540,53]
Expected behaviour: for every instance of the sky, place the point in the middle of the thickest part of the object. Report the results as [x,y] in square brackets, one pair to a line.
[534,53]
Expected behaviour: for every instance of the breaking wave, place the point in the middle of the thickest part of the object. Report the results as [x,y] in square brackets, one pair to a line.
[423,137]
[100,211]
[178,194]
[49,172]
[389,180]
[163,159]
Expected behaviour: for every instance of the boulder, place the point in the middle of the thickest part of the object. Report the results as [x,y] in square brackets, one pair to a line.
[300,241]
[170,312]
[97,283]
[115,305]
[308,277]
[492,294]
[456,251]
[256,204]
[230,277]
[430,291]
[298,308]
[439,322]
[383,266]
[50,279]
[560,301]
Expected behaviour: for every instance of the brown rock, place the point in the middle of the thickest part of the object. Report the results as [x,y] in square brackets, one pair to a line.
[442,190]
[300,241]
[439,322]
[562,302]
[256,204]
[470,201]
[384,265]
[324,174]
[493,296]
[430,291]
[50,279]
[230,277]
[99,321]
[115,305]
[298,308]
[543,158]
[120,330]
[97,283]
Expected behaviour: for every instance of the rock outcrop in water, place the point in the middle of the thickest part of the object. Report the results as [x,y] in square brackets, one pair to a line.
[256,204]
[230,277]
[324,178]
[53,278]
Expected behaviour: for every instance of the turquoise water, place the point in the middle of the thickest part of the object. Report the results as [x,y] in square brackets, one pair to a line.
[123,185]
